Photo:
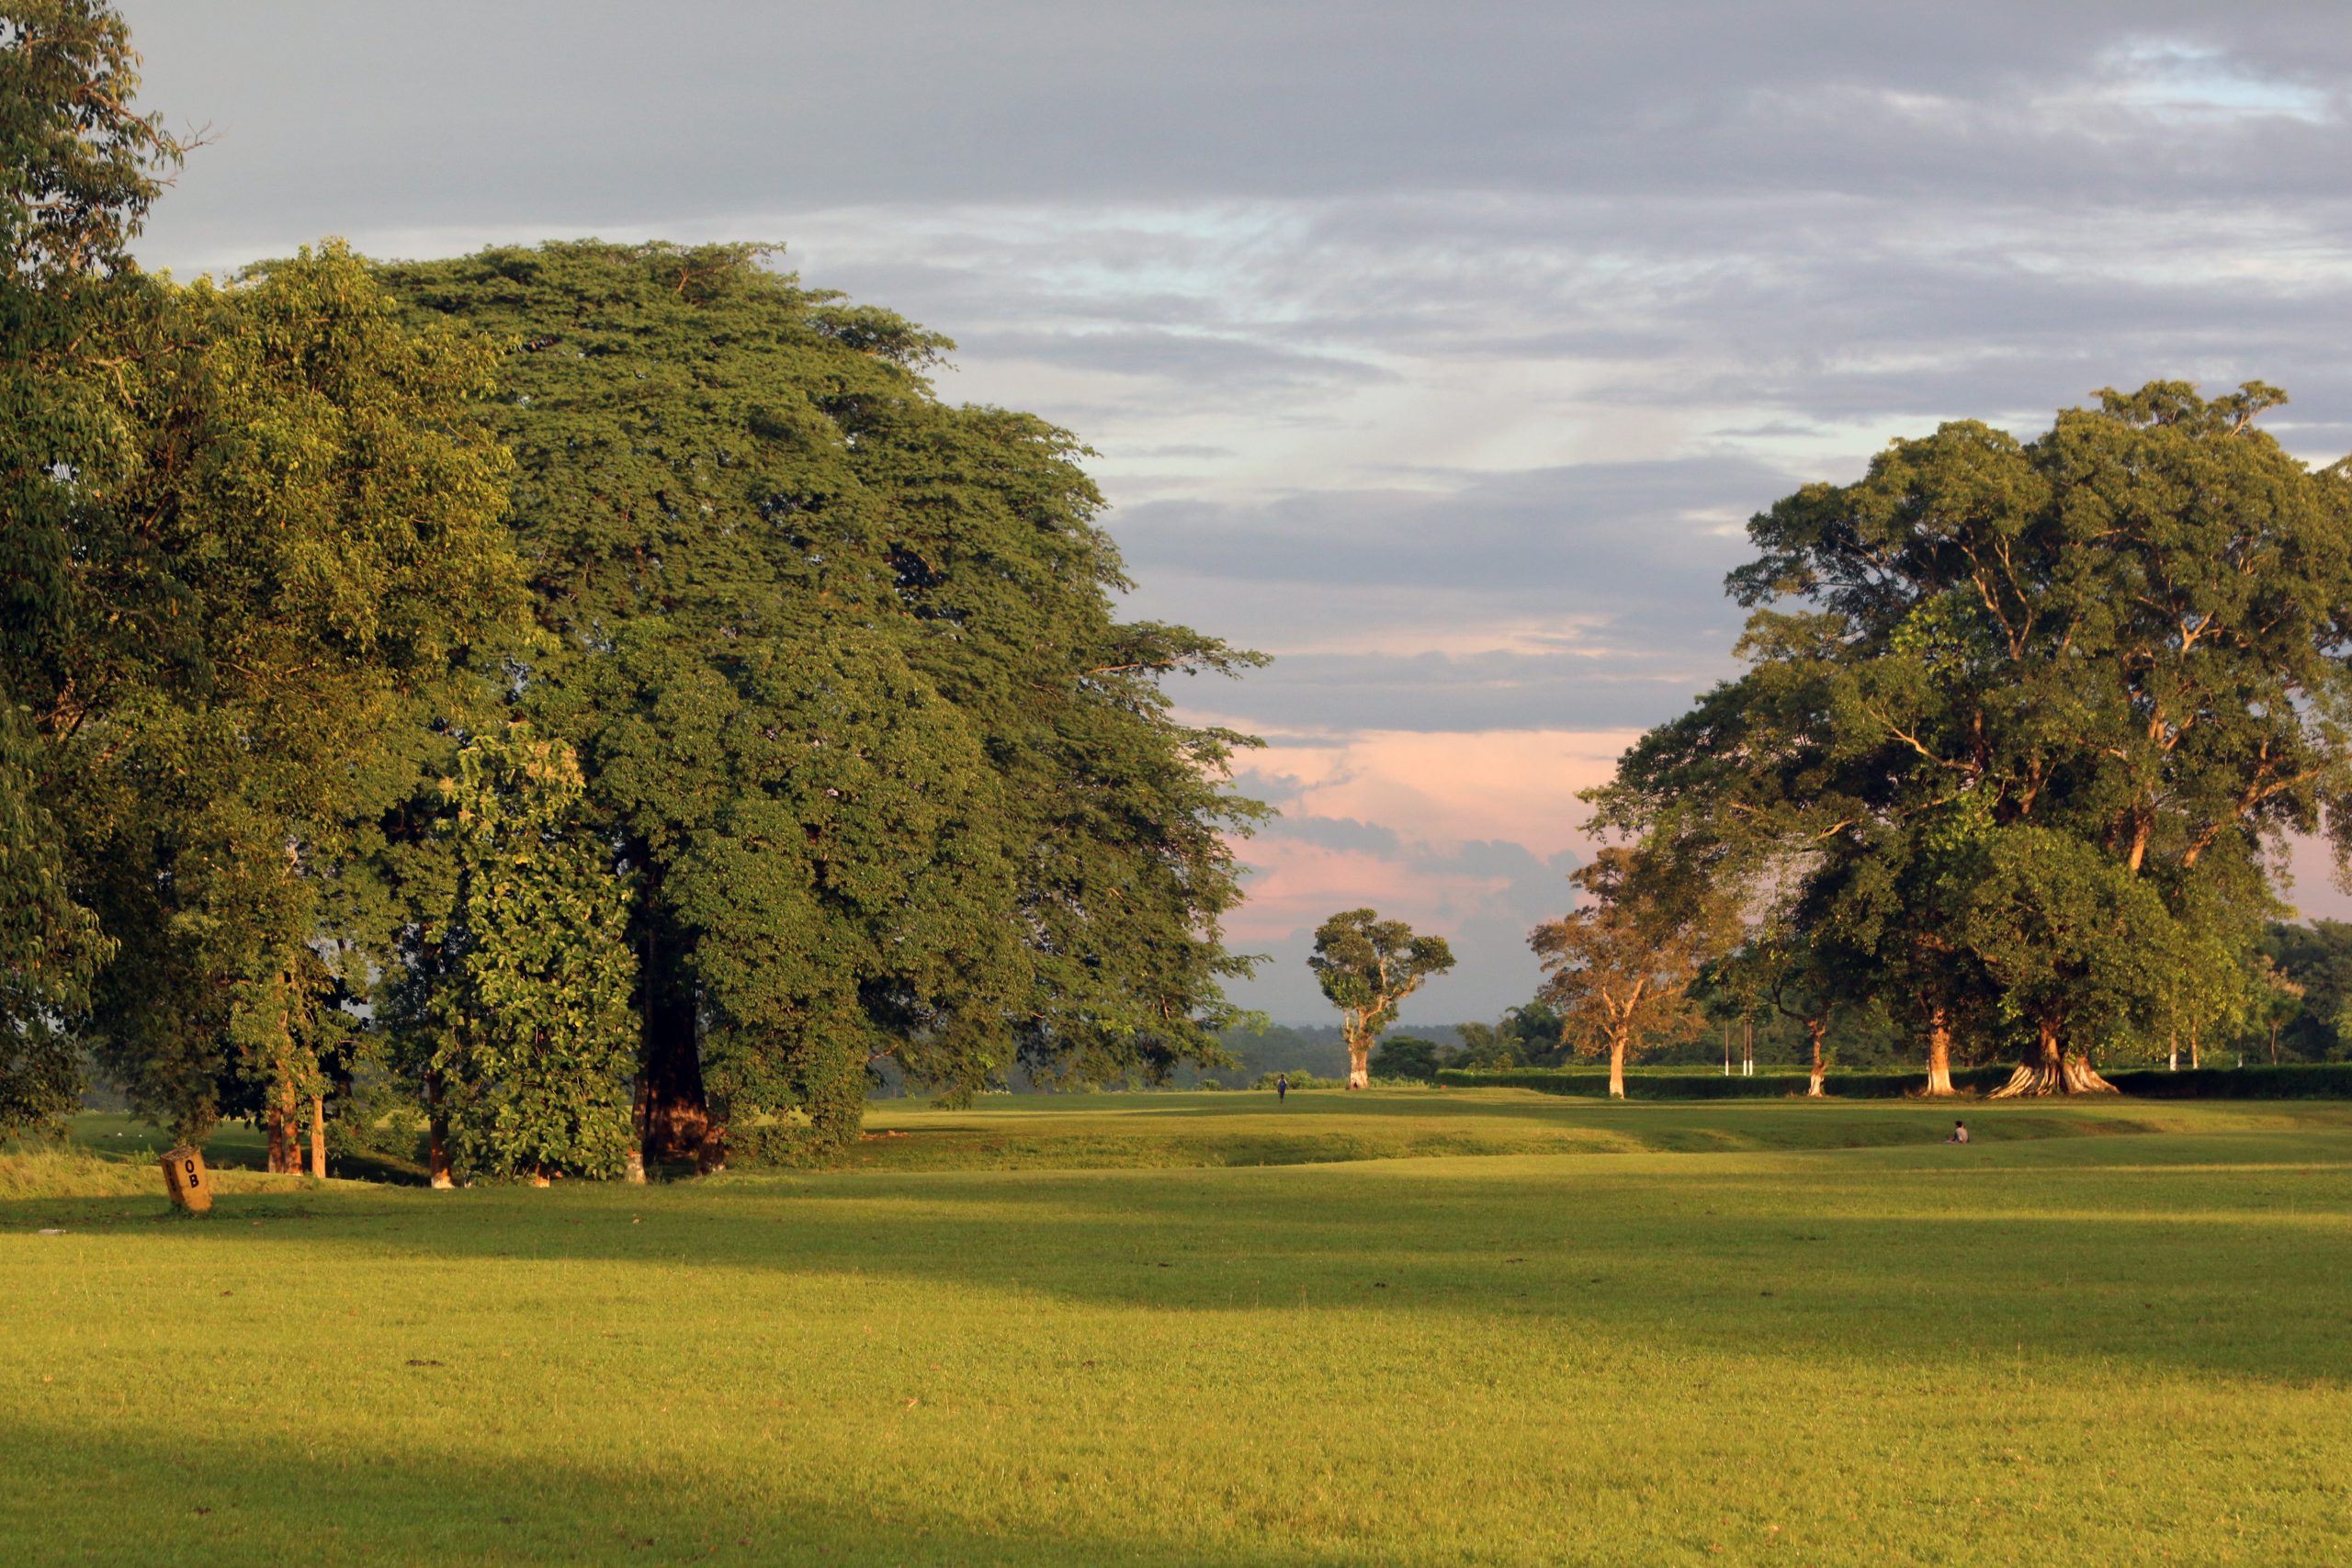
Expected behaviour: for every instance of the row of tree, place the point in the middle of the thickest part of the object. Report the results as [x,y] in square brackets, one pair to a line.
[2026,729]
[2299,992]
[596,694]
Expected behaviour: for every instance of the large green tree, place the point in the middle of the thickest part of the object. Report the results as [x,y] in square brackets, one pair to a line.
[78,169]
[2066,693]
[286,578]
[841,666]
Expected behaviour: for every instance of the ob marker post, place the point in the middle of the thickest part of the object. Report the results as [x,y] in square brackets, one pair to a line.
[183,1177]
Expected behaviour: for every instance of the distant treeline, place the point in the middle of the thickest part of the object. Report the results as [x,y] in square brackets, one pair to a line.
[2315,956]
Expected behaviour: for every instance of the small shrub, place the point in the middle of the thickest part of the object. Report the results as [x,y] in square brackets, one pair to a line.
[1299,1080]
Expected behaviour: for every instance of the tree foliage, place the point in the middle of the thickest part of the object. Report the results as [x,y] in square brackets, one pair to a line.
[78,170]
[249,529]
[312,526]
[1528,1035]
[2317,956]
[522,988]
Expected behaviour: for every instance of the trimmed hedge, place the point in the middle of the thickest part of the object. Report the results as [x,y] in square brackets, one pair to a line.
[2299,1080]
[2321,1080]
[1849,1085]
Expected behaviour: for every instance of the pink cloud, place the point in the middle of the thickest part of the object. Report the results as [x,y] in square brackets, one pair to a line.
[2313,892]
[1294,887]
[1447,788]
[1436,793]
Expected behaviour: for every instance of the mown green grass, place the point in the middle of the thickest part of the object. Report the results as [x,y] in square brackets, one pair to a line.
[1678,1333]
[1169,1131]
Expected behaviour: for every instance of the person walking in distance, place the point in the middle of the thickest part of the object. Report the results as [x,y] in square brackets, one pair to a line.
[1281,1088]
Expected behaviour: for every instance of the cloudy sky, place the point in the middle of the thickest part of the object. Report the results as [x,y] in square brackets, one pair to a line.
[1439,349]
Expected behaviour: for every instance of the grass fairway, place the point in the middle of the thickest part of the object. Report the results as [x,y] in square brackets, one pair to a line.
[1179,1330]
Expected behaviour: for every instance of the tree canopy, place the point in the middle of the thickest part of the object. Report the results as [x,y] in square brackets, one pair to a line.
[78,171]
[2019,712]
[841,665]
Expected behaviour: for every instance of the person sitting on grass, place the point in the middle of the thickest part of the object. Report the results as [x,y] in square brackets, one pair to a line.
[1959,1132]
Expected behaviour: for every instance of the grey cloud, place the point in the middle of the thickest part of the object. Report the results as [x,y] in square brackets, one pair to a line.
[581,109]
[1277,790]
[1500,691]
[1198,359]
[1594,533]
[1178,450]
[1827,311]
[1335,833]
[1600,584]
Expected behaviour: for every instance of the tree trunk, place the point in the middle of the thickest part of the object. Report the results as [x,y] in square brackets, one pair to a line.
[677,1112]
[436,1134]
[2274,1041]
[1939,1053]
[1617,1068]
[2084,1078]
[285,1155]
[1359,1063]
[2045,1074]
[2194,1060]
[2172,1062]
[1814,1029]
[634,1172]
[2054,1070]
[319,1136]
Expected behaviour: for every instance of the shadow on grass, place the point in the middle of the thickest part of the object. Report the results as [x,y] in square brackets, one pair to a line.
[98,1493]
[2196,1254]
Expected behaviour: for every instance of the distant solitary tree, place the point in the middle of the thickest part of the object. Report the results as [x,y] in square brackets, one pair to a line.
[1368,967]
[1620,968]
